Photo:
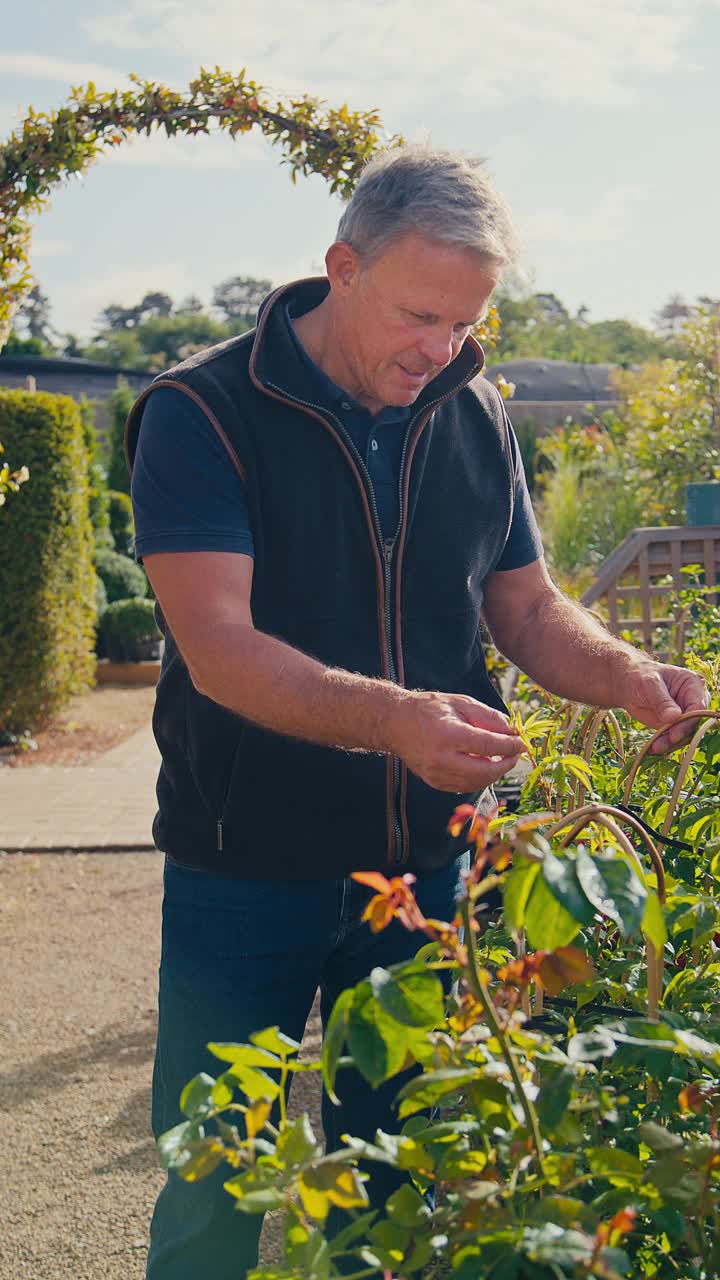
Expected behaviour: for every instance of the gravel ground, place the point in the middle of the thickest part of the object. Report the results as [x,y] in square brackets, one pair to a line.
[86,726]
[79,943]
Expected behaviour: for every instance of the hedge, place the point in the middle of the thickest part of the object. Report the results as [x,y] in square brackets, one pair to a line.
[47,579]
[98,498]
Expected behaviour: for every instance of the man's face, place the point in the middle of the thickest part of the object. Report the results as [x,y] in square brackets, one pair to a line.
[404,316]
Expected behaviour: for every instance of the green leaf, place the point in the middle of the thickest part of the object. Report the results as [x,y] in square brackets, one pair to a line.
[297,1143]
[196,1098]
[223,1091]
[463,1164]
[355,1231]
[555,1244]
[614,887]
[257,1200]
[658,1138]
[245,1055]
[561,878]
[413,998]
[334,1039]
[426,1090]
[548,924]
[203,1158]
[275,1041]
[589,1046]
[407,1208]
[377,1043]
[330,1183]
[254,1083]
[616,1260]
[516,893]
[621,1168]
[172,1143]
[556,1082]
[653,922]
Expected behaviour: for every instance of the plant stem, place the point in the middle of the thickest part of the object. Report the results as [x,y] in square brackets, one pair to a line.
[483,998]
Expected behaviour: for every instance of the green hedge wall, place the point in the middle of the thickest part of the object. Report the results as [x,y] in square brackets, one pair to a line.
[47,579]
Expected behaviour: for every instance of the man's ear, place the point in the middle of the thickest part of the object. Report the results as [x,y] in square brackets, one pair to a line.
[343,267]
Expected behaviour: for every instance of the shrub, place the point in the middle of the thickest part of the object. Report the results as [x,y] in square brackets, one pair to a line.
[129,630]
[587,505]
[122,525]
[47,581]
[120,403]
[99,502]
[123,578]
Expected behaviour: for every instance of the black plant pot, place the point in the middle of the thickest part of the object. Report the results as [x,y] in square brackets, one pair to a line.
[135,650]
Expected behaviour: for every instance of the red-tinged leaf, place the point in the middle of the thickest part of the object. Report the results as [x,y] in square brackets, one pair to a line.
[463,814]
[564,967]
[373,879]
[378,913]
[692,1098]
[623,1221]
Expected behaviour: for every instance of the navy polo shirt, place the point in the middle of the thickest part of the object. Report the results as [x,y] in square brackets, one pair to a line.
[188,497]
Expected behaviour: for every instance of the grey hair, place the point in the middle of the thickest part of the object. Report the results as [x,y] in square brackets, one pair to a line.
[442,195]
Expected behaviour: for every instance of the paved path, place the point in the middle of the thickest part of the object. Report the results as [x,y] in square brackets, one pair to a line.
[109,804]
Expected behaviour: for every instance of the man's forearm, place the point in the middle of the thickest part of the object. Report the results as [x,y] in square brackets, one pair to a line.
[566,651]
[282,689]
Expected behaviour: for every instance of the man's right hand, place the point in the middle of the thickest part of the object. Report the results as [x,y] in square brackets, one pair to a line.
[453,742]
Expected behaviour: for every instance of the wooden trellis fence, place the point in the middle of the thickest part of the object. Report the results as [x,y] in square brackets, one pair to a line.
[646,568]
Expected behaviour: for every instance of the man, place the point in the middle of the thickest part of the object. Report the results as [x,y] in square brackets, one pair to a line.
[324,508]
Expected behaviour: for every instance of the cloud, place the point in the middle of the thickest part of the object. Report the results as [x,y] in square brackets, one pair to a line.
[600,224]
[39,66]
[44,248]
[398,52]
[216,151]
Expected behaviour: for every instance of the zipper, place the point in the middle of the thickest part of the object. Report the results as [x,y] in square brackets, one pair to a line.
[226,797]
[387,547]
[398,850]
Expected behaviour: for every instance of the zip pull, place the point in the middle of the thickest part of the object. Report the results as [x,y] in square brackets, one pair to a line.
[389,547]
[220,835]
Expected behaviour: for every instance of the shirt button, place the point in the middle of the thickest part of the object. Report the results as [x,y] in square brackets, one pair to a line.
[374,445]
[345,404]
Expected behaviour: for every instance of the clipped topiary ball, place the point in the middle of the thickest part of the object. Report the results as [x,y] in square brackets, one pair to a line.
[130,632]
[122,578]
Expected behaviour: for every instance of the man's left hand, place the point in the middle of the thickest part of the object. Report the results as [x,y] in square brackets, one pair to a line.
[656,694]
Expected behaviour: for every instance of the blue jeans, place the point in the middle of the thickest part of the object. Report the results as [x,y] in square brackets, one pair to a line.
[237,956]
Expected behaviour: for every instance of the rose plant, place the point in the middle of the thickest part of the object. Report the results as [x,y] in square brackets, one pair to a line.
[564,1098]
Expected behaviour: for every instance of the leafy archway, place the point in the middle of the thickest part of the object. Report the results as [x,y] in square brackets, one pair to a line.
[49,147]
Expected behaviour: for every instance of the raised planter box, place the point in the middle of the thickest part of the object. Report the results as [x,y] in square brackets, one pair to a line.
[146,672]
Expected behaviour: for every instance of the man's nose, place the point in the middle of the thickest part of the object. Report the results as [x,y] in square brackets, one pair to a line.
[437,348]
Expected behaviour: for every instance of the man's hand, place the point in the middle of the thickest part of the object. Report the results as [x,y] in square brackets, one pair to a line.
[453,742]
[656,694]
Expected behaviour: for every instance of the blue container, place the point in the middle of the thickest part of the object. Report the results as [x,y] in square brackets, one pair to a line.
[703,503]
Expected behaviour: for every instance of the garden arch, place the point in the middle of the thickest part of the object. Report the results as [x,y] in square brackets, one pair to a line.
[48,148]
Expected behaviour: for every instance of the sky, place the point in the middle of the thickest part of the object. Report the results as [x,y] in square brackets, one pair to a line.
[597,119]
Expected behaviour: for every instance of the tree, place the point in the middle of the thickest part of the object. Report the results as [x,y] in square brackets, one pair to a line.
[48,147]
[153,304]
[33,315]
[672,316]
[238,299]
[158,341]
[190,306]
